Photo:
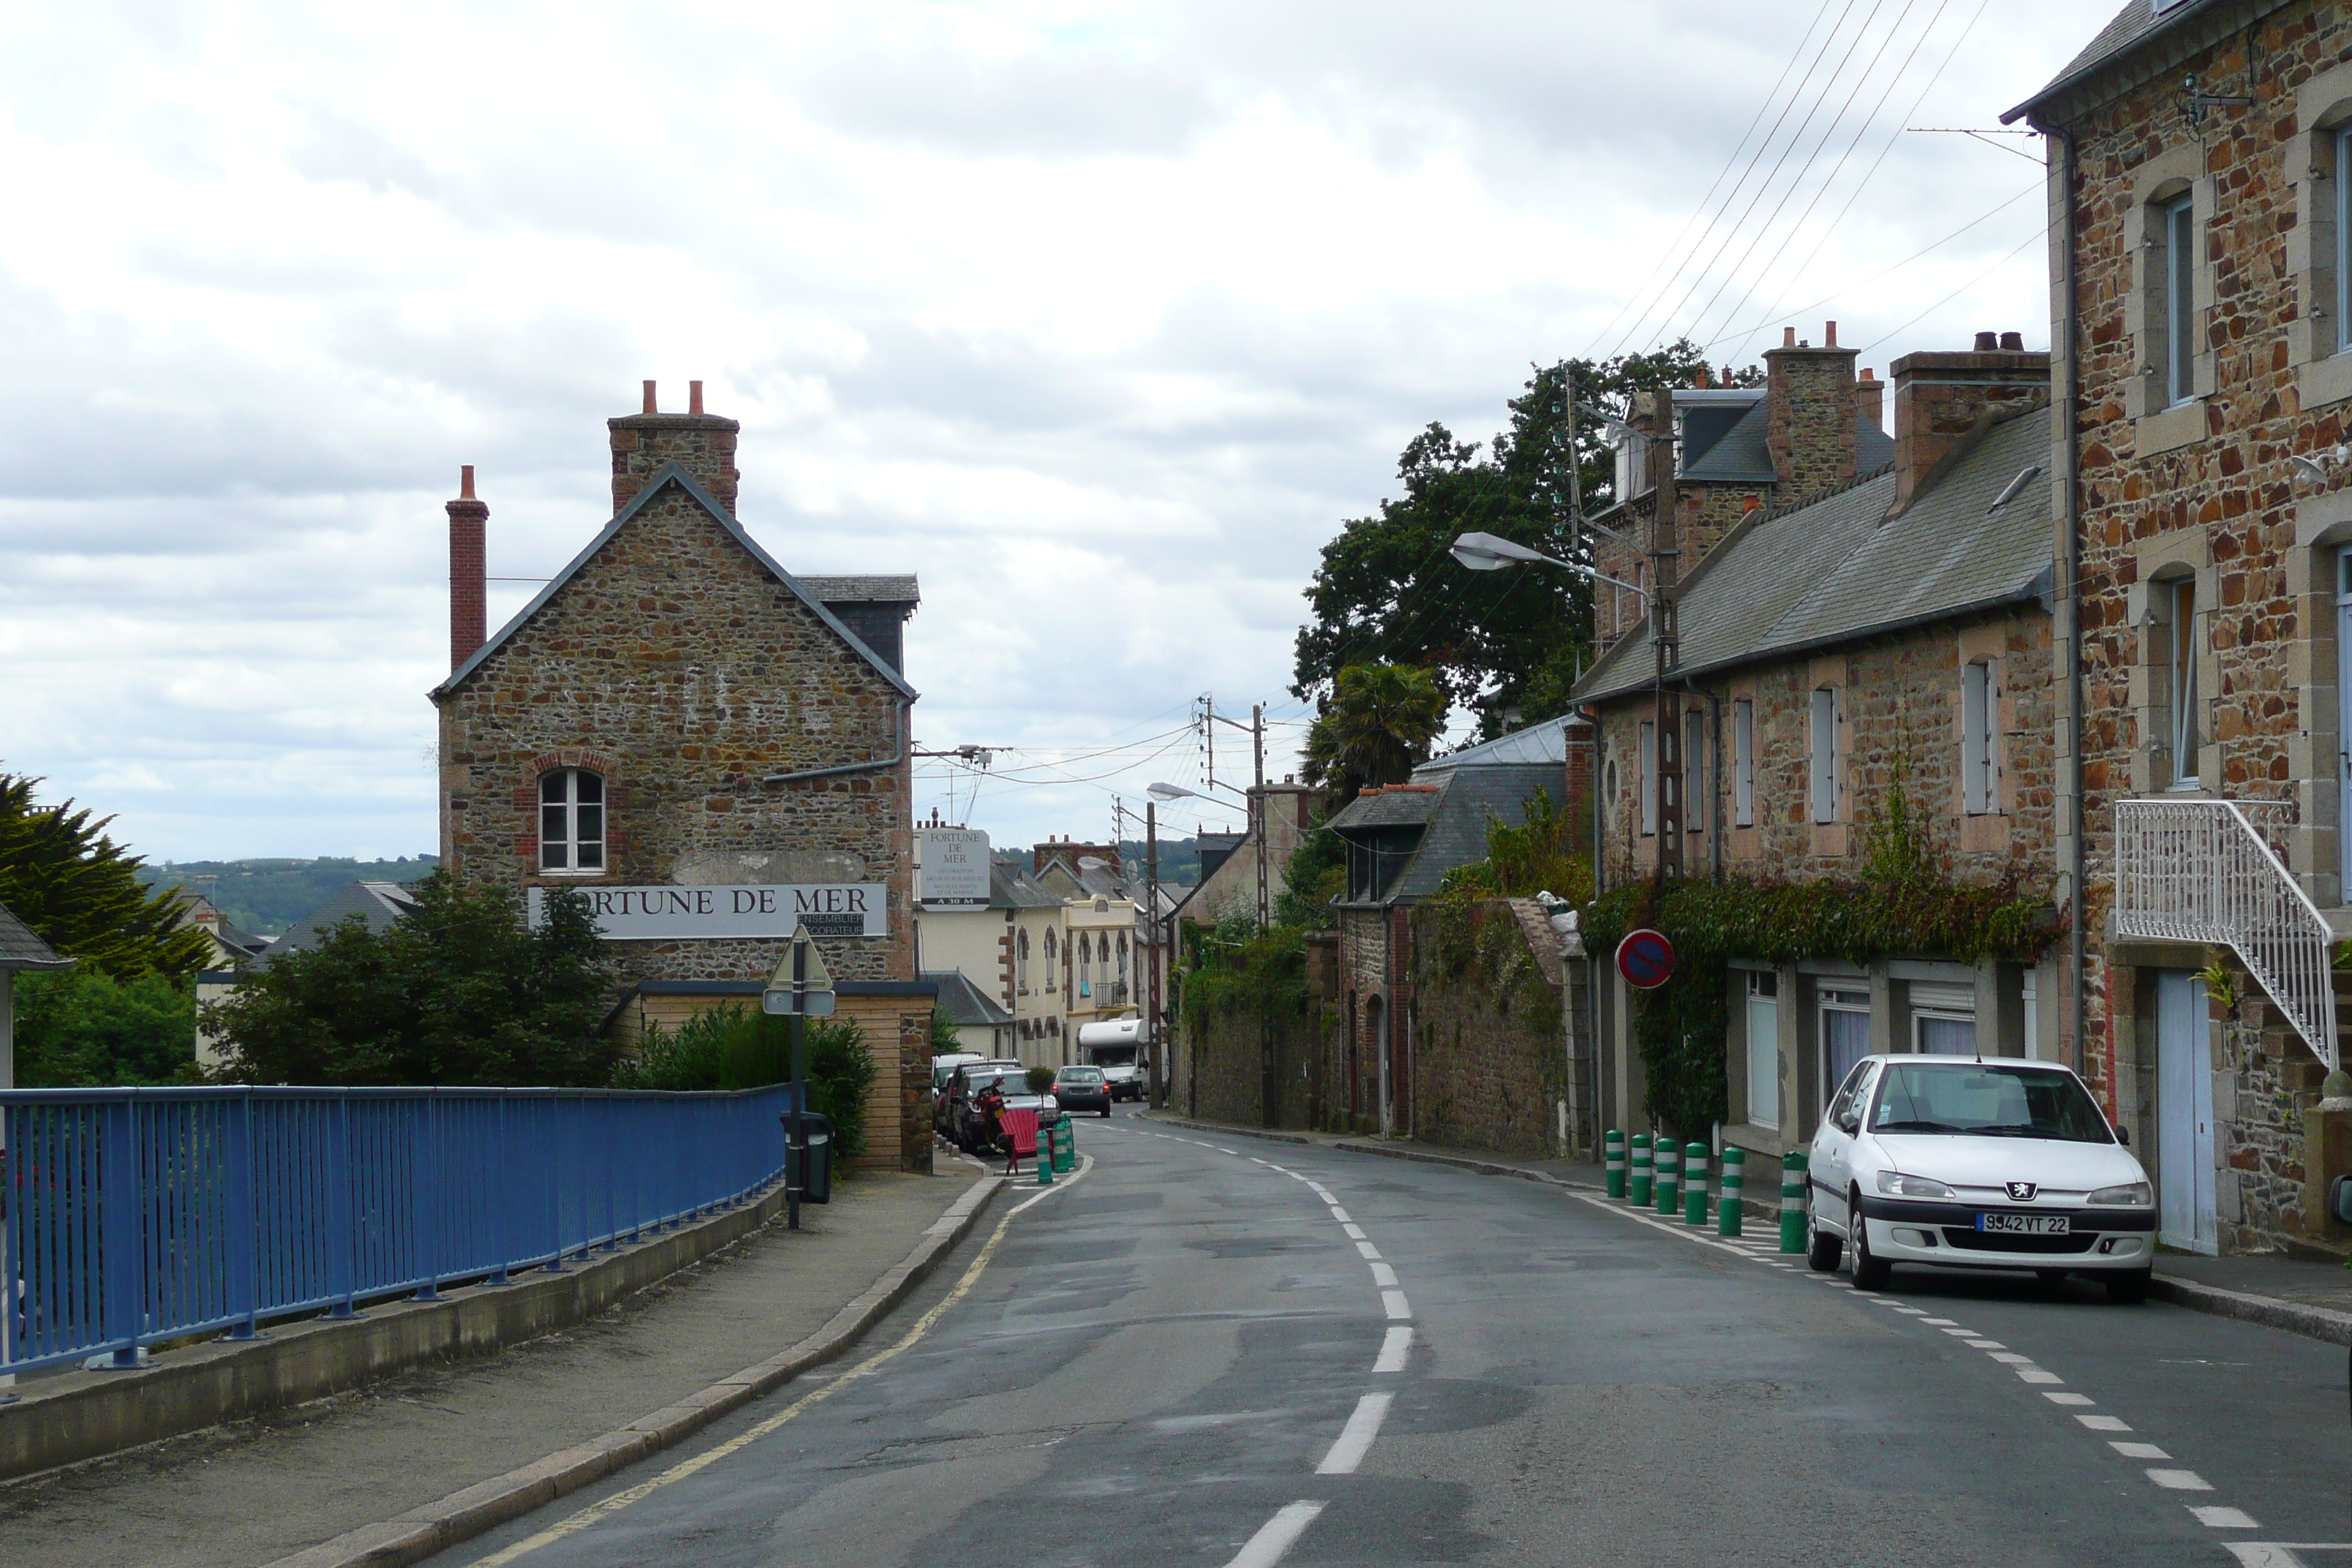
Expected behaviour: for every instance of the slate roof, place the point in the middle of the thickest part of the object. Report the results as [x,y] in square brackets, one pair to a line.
[1456,815]
[882,590]
[1838,569]
[21,949]
[666,474]
[2139,22]
[1010,889]
[1740,455]
[382,902]
[1544,742]
[965,1004]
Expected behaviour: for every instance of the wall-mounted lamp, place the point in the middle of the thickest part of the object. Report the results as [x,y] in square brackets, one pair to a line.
[2315,465]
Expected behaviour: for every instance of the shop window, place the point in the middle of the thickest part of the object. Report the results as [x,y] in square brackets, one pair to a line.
[1845,1017]
[1743,764]
[1979,765]
[1763,1049]
[571,820]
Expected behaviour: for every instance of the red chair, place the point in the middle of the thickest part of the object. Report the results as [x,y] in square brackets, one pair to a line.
[1020,1126]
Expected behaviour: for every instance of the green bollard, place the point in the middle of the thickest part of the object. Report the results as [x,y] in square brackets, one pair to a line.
[1670,1178]
[1614,1164]
[1065,1145]
[1735,1180]
[1793,1201]
[1641,1170]
[1694,1185]
[1044,1156]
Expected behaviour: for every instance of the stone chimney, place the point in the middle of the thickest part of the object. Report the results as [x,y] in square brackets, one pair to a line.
[469,625]
[1940,398]
[1810,408]
[1870,399]
[703,444]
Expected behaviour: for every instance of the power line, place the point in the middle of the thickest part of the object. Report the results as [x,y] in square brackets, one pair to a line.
[1963,288]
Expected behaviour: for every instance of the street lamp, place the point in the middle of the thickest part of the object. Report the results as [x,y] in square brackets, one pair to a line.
[1178,792]
[1492,552]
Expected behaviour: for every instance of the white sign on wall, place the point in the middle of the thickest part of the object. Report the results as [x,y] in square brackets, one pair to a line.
[674,913]
[955,869]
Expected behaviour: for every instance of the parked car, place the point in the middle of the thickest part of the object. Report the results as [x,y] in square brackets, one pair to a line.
[1082,1089]
[1965,1164]
[943,1103]
[968,1126]
[943,1066]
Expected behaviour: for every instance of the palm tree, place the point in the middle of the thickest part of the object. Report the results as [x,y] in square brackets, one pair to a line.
[1380,723]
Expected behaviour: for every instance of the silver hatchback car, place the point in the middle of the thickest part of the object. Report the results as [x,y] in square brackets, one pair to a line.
[1967,1164]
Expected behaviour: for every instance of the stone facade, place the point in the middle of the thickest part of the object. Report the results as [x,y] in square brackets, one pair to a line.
[1810,401]
[678,663]
[1490,1058]
[2186,487]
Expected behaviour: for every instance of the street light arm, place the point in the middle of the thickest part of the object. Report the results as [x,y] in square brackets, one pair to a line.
[1491,552]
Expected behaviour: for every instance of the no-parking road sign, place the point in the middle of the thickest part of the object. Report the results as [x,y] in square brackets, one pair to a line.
[1645,958]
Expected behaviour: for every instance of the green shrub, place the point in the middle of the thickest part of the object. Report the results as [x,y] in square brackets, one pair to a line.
[83,1029]
[730,1047]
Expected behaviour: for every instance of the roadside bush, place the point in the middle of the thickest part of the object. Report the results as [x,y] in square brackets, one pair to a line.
[731,1046]
[83,1029]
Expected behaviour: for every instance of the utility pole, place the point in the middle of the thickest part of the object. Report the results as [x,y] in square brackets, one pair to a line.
[1151,948]
[1665,746]
[1257,810]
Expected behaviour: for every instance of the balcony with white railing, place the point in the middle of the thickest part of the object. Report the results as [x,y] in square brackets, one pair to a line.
[2197,871]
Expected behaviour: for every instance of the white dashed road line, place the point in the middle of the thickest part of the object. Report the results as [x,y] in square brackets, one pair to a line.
[1356,1437]
[1275,1536]
[1393,1349]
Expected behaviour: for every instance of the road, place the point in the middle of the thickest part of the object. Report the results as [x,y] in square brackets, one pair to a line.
[1225,1351]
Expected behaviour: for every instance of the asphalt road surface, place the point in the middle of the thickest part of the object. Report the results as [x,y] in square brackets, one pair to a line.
[1225,1351]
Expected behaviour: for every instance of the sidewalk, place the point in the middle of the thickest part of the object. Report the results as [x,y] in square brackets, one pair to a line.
[2311,1299]
[251,1491]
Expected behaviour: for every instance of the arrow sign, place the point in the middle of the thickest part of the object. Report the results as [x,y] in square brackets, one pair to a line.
[1646,959]
[800,985]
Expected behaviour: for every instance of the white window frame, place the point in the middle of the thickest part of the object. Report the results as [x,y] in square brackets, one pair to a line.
[1942,1004]
[2182,739]
[2179,301]
[1821,739]
[1979,763]
[1649,805]
[574,823]
[1762,1024]
[1694,794]
[1743,762]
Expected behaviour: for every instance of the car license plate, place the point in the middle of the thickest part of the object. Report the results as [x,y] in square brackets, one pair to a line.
[2025,1223]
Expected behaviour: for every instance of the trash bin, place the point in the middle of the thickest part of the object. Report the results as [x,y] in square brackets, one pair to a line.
[809,1167]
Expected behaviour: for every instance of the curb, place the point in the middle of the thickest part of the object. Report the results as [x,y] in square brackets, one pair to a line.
[437,1526]
[2320,1323]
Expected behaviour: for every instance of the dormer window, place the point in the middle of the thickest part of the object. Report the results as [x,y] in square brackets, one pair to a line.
[571,820]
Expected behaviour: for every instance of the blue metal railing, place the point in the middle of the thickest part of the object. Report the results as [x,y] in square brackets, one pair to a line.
[136,1215]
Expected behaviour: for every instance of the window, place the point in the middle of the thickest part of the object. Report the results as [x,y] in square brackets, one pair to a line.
[1942,1020]
[571,820]
[2179,597]
[1086,965]
[2180,366]
[1632,475]
[1763,1049]
[1823,736]
[1122,958]
[1845,1032]
[1649,778]
[1743,764]
[2028,994]
[1845,1107]
[1695,771]
[1022,965]
[1053,949]
[2342,139]
[1978,769]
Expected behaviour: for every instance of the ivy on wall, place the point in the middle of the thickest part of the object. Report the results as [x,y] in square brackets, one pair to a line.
[1905,904]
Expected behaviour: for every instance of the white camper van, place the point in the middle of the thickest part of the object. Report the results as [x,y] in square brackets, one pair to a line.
[1117,1048]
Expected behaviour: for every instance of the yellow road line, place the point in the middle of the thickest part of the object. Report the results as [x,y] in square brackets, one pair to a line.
[596,1512]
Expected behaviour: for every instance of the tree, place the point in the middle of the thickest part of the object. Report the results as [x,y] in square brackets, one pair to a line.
[1380,724]
[61,875]
[730,1047]
[1504,643]
[83,1029]
[459,991]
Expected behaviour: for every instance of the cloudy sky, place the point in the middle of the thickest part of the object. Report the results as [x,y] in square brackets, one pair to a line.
[1100,318]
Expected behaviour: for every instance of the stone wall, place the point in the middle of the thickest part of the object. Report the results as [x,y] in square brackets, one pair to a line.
[1490,1058]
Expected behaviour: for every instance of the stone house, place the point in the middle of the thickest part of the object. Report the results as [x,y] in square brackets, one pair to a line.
[681,728]
[1892,633]
[1228,884]
[2198,174]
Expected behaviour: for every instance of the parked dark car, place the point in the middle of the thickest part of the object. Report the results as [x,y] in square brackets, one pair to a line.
[967,1124]
[1082,1089]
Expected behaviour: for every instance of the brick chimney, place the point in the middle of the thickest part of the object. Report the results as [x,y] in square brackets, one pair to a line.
[469,625]
[1870,399]
[1941,397]
[703,444]
[1810,408]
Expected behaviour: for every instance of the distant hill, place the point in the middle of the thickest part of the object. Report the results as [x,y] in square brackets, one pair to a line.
[266,897]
